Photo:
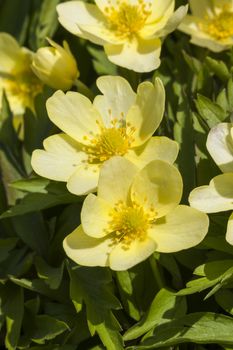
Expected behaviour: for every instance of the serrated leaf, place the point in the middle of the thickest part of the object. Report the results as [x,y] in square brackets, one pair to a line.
[216,274]
[91,286]
[200,328]
[45,327]
[38,201]
[218,67]
[166,305]
[51,275]
[210,111]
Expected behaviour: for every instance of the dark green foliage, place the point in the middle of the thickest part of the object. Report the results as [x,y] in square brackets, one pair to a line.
[175,301]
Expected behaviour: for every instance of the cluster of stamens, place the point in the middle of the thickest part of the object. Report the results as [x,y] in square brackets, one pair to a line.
[220,27]
[112,141]
[126,19]
[130,223]
[25,85]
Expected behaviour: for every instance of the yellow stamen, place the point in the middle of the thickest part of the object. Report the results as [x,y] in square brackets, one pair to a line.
[126,19]
[130,223]
[113,141]
[24,85]
[220,27]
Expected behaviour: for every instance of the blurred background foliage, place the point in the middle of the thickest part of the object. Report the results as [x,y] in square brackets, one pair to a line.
[171,301]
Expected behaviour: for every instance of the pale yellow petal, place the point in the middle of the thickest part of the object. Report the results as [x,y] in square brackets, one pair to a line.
[161,9]
[101,34]
[216,197]
[173,21]
[61,157]
[146,114]
[95,216]
[220,146]
[229,234]
[182,228]
[201,8]
[86,250]
[158,147]
[72,14]
[117,98]
[190,25]
[138,55]
[122,258]
[157,187]
[212,44]
[115,179]
[219,5]
[10,53]
[84,179]
[74,114]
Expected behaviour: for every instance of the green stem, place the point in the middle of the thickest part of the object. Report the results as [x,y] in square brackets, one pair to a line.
[84,89]
[155,269]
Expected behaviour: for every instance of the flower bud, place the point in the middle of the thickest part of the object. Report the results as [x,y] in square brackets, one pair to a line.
[55,66]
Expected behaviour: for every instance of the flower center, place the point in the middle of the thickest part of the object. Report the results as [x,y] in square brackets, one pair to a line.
[220,27]
[130,223]
[113,141]
[126,19]
[25,85]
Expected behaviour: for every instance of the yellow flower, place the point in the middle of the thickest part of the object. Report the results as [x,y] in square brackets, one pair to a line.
[130,31]
[211,24]
[218,195]
[16,76]
[119,122]
[134,214]
[55,66]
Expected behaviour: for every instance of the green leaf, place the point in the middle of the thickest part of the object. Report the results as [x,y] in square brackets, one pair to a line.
[37,126]
[125,281]
[184,135]
[32,230]
[6,245]
[8,136]
[224,299]
[200,328]
[13,309]
[134,297]
[66,222]
[211,112]
[45,327]
[101,63]
[9,173]
[218,67]
[92,287]
[46,25]
[39,286]
[215,273]
[38,201]
[51,275]
[14,17]
[34,185]
[17,263]
[165,306]
[230,93]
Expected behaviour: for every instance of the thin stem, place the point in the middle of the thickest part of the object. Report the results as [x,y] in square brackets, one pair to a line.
[157,275]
